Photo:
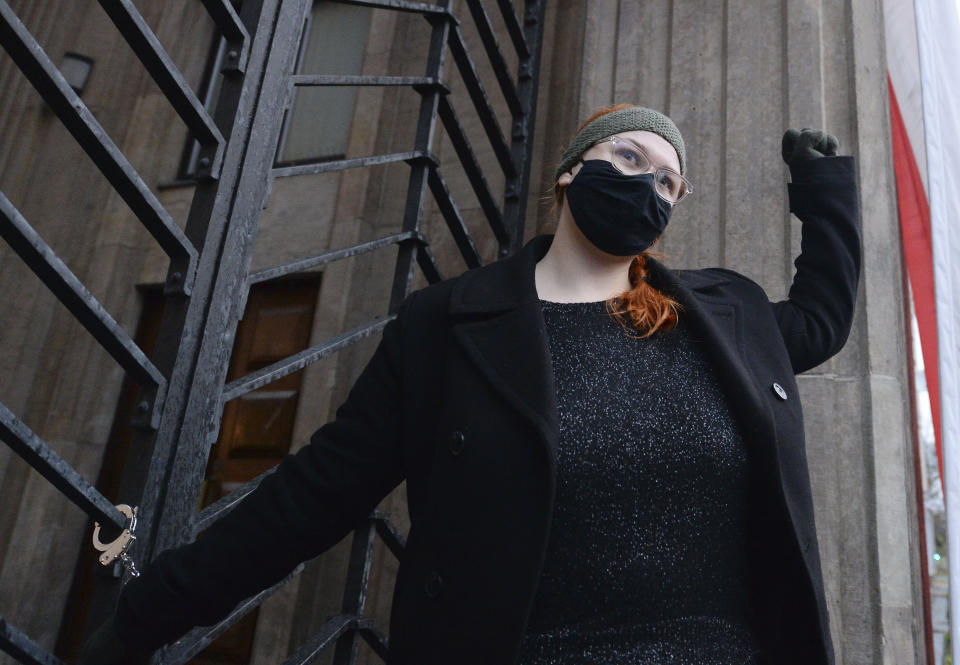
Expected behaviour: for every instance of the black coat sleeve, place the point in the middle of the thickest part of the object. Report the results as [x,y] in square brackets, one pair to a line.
[816,317]
[314,499]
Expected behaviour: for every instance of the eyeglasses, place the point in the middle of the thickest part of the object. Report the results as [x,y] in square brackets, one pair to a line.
[630,159]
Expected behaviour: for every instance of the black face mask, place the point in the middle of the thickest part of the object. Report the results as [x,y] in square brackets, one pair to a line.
[620,214]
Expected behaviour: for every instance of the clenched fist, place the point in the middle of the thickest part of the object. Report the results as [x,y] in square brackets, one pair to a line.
[805,144]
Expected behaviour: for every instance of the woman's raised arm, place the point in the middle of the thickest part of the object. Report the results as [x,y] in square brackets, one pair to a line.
[816,317]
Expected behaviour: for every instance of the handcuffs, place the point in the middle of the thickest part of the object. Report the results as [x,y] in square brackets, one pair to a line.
[118,548]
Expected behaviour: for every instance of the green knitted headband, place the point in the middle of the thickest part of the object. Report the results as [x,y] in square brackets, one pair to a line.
[624,120]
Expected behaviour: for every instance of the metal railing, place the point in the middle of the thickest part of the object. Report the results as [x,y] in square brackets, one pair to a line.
[183,391]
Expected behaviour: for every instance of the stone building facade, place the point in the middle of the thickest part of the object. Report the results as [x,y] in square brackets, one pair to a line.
[733,75]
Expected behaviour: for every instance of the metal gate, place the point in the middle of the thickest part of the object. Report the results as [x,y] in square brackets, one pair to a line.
[184,389]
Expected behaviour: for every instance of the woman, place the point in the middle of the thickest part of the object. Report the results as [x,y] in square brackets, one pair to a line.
[604,457]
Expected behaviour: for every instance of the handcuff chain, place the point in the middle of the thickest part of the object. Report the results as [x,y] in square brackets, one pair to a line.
[118,548]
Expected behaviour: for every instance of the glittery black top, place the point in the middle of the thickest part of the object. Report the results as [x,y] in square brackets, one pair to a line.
[645,558]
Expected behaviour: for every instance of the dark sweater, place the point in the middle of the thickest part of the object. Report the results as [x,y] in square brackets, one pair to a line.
[645,558]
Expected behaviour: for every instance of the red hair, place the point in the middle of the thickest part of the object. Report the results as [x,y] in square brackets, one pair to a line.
[642,306]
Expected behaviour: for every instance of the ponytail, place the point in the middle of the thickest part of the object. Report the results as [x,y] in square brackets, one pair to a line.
[644,307]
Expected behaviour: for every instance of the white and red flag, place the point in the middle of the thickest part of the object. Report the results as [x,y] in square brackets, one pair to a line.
[923,63]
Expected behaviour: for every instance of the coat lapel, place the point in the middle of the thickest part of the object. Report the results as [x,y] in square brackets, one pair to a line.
[501,328]
[503,332]
[716,320]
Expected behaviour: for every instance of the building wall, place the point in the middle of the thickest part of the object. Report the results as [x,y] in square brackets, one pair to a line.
[733,75]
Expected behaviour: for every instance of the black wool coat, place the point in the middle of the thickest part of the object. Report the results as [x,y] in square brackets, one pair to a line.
[458,400]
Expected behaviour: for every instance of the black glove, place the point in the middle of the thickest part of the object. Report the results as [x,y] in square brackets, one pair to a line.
[105,648]
[806,144]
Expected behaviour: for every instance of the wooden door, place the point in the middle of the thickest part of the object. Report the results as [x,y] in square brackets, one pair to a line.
[257,427]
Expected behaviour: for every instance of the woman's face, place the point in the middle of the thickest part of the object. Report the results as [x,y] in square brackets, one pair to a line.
[658,149]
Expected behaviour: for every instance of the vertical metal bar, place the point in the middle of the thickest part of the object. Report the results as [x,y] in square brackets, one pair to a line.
[426,129]
[196,333]
[521,149]
[226,219]
[355,590]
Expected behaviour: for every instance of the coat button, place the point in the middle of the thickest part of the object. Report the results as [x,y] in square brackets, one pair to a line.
[781,393]
[433,585]
[456,442]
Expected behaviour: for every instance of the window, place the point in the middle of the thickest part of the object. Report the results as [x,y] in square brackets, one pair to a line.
[318,128]
[336,41]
